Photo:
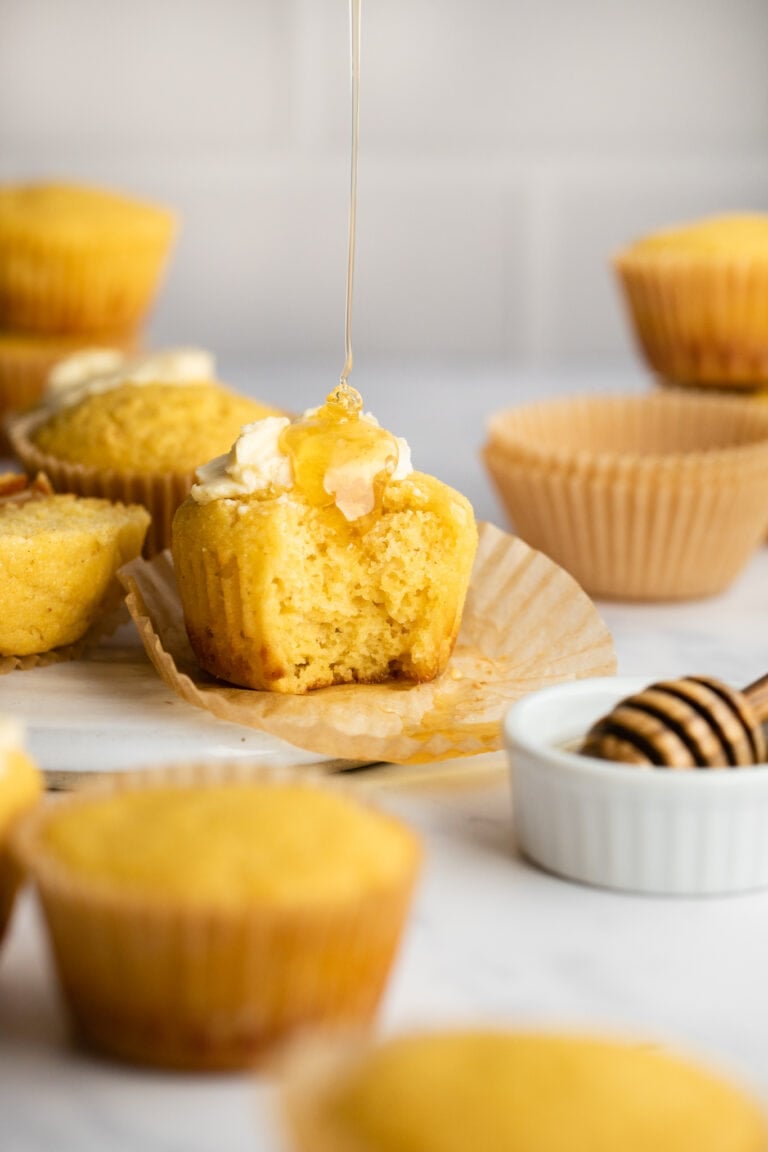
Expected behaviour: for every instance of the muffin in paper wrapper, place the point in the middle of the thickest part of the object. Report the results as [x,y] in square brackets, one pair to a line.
[700,312]
[658,497]
[526,624]
[160,493]
[183,984]
[79,260]
[25,362]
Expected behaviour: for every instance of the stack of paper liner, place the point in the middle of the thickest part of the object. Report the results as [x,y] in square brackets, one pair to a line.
[526,624]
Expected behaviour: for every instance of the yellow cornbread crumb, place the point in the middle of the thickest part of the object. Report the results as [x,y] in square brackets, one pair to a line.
[232,845]
[528,1093]
[148,428]
[58,559]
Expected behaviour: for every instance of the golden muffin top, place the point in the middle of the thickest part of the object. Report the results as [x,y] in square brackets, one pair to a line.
[533,1093]
[228,844]
[20,781]
[732,236]
[148,427]
[61,517]
[80,213]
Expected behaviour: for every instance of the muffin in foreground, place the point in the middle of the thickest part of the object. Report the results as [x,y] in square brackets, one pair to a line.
[697,297]
[135,432]
[313,555]
[494,1091]
[59,556]
[76,259]
[20,788]
[197,917]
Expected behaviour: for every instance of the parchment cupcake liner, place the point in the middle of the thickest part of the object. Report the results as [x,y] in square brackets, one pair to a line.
[161,494]
[699,320]
[526,624]
[649,497]
[160,982]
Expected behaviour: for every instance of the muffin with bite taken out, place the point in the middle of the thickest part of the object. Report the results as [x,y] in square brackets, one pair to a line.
[312,555]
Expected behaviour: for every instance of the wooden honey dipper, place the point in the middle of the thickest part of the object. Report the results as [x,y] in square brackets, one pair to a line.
[694,722]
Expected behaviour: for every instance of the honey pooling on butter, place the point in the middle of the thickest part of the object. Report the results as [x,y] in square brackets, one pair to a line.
[339,456]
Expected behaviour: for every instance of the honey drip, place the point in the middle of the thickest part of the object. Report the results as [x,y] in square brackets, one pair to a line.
[338,457]
[354,29]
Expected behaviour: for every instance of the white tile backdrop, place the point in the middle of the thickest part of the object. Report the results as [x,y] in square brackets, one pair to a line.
[507,148]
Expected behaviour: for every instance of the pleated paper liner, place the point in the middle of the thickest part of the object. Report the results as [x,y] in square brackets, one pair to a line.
[161,493]
[220,984]
[658,497]
[106,615]
[699,320]
[526,624]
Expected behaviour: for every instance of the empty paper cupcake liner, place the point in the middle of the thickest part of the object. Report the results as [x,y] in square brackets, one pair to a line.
[161,982]
[649,497]
[699,321]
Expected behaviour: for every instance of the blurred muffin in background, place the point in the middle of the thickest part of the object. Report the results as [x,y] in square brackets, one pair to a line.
[76,259]
[20,787]
[697,298]
[26,361]
[512,1092]
[134,431]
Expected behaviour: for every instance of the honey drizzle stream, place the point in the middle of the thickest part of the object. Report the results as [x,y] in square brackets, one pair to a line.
[354,29]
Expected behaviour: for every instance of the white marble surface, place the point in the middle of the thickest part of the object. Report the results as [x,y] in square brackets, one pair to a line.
[490,939]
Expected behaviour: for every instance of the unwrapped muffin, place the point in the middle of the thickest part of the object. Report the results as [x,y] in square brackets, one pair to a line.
[135,432]
[59,556]
[201,915]
[76,259]
[20,788]
[514,1092]
[313,555]
[697,297]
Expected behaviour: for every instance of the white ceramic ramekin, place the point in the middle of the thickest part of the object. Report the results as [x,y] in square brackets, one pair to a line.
[654,830]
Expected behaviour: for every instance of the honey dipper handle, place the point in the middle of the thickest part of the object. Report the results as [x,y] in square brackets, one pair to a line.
[757,694]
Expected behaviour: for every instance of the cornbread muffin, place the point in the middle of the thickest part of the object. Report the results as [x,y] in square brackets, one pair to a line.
[697,297]
[313,555]
[58,560]
[135,432]
[76,259]
[502,1092]
[273,902]
[20,787]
